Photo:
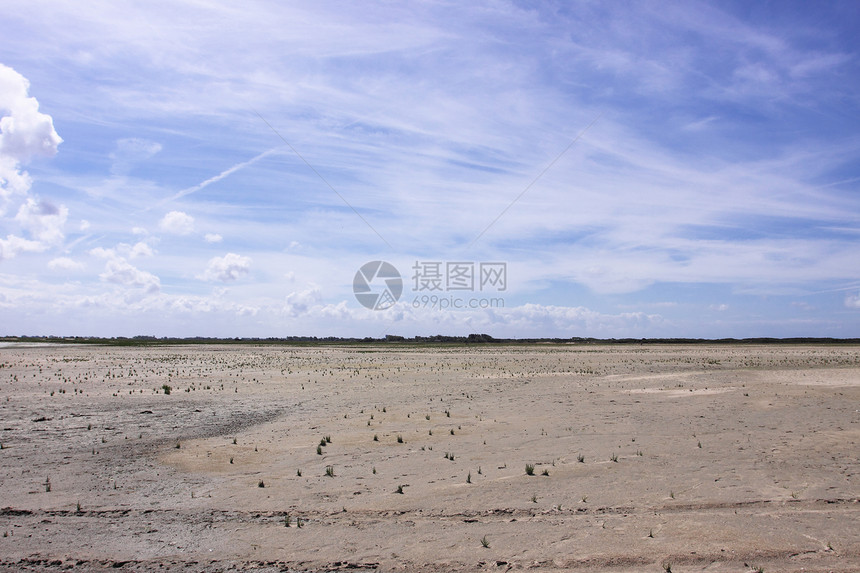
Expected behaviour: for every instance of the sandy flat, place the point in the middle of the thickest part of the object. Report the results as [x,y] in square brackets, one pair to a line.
[697,458]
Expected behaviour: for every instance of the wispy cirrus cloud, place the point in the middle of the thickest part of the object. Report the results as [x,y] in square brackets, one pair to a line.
[722,167]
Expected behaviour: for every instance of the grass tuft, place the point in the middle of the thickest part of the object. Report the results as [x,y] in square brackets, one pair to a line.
[485,542]
[530,469]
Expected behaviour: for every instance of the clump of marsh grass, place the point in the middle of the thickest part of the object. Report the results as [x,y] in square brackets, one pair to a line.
[530,469]
[329,471]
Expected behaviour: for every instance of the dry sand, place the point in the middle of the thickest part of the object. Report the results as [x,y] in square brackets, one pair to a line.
[701,458]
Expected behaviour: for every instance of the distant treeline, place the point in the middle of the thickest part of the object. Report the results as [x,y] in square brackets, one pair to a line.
[416,340]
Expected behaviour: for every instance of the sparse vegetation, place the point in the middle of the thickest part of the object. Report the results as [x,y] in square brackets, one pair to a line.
[580,458]
[485,542]
[530,469]
[261,483]
[613,457]
[399,439]
[399,489]
[329,471]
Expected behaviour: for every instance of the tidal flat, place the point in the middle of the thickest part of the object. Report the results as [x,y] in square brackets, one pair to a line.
[390,457]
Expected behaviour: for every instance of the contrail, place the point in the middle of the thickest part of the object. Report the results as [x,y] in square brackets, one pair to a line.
[219,177]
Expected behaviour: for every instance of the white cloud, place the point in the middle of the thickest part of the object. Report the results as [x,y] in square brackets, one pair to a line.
[43,220]
[301,303]
[213,238]
[103,253]
[25,132]
[177,223]
[65,264]
[139,249]
[121,272]
[12,245]
[84,225]
[227,268]
[853,300]
[139,231]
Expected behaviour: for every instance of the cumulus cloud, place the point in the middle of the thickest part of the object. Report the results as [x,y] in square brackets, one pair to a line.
[25,133]
[213,238]
[12,245]
[300,303]
[120,271]
[227,268]
[177,223]
[853,301]
[65,264]
[139,249]
[124,250]
[43,220]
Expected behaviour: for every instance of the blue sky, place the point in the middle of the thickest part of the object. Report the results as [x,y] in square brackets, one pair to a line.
[643,169]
